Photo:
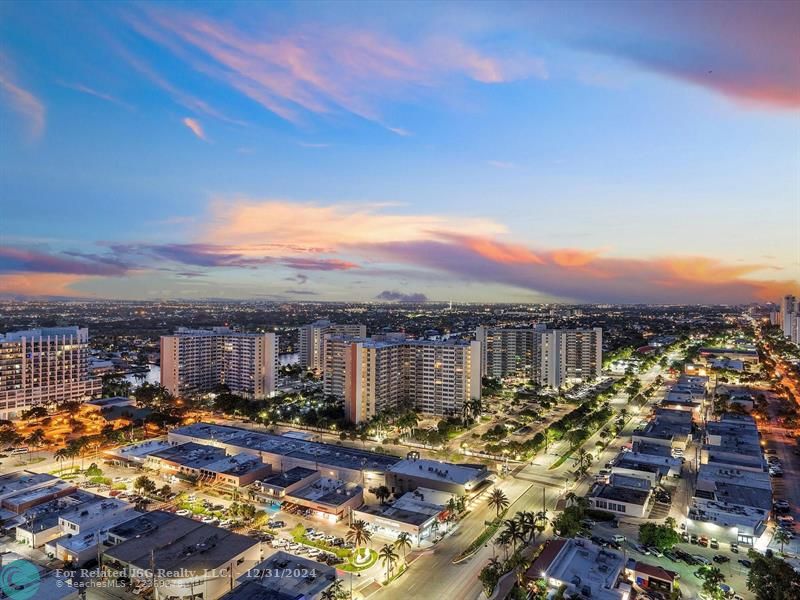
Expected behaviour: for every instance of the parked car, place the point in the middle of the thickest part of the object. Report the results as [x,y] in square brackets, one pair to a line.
[618,538]
[721,558]
[701,559]
[693,539]
[714,544]
[745,563]
[702,541]
[734,548]
[655,551]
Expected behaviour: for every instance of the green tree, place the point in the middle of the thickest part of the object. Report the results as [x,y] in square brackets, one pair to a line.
[516,533]
[771,578]
[403,543]
[382,493]
[359,535]
[388,558]
[35,440]
[144,484]
[498,500]
[781,537]
[662,537]
[712,577]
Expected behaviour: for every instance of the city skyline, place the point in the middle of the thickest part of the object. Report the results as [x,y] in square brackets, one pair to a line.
[582,152]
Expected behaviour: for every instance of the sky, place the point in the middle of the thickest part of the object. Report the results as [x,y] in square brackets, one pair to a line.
[491,152]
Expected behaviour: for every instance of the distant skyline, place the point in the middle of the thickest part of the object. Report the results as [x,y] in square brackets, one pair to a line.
[519,152]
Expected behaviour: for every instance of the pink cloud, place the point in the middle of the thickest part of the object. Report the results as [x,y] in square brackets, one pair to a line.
[28,106]
[195,127]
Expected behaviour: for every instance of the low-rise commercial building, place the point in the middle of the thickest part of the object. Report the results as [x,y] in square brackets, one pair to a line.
[284,576]
[581,568]
[329,499]
[620,500]
[414,472]
[185,559]
[417,513]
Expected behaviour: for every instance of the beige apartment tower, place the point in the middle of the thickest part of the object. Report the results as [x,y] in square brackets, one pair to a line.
[312,337]
[563,356]
[200,360]
[505,352]
[436,378]
[44,367]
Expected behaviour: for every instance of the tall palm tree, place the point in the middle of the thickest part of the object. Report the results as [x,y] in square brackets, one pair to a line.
[515,532]
[334,591]
[60,456]
[527,520]
[498,500]
[358,534]
[388,558]
[541,520]
[504,541]
[35,439]
[403,543]
[781,537]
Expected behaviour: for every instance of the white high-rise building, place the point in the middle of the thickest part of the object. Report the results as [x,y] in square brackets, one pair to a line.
[787,317]
[312,340]
[200,360]
[44,367]
[562,356]
[505,352]
[435,377]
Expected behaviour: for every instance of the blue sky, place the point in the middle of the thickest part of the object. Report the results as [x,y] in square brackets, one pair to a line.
[642,152]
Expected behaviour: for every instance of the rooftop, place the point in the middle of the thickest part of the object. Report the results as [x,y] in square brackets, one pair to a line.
[192,455]
[618,480]
[592,570]
[620,494]
[181,543]
[331,492]
[317,452]
[300,577]
[238,464]
[108,402]
[21,480]
[287,478]
[97,507]
[413,508]
[141,524]
[441,471]
[40,494]
[139,451]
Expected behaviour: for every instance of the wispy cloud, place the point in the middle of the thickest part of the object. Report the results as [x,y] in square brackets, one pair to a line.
[313,144]
[22,101]
[195,127]
[85,89]
[325,69]
[501,164]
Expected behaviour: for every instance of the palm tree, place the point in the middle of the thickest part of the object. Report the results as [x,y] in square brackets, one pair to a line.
[570,498]
[358,534]
[504,541]
[498,500]
[527,520]
[515,532]
[382,493]
[388,558]
[334,591]
[541,520]
[781,537]
[35,439]
[61,455]
[403,543]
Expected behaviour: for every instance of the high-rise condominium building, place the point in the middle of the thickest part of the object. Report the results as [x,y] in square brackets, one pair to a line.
[505,352]
[788,317]
[562,356]
[312,340]
[436,378]
[200,360]
[44,367]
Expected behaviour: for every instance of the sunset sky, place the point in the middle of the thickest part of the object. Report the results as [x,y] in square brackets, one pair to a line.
[591,152]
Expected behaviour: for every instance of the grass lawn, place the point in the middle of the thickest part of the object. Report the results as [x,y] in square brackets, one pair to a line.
[352,568]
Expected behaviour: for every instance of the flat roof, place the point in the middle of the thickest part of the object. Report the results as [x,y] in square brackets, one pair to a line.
[620,494]
[31,495]
[650,449]
[238,464]
[319,452]
[96,507]
[21,480]
[619,480]
[300,577]
[181,543]
[139,450]
[332,492]
[743,495]
[112,401]
[44,516]
[253,590]
[287,478]
[440,471]
[191,454]
[586,565]
[413,508]
[141,524]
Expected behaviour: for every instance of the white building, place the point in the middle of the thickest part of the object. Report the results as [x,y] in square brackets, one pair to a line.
[200,360]
[44,367]
[312,337]
[563,356]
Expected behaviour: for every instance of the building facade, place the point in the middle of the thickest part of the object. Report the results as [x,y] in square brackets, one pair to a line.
[44,367]
[563,356]
[505,352]
[312,340]
[200,360]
